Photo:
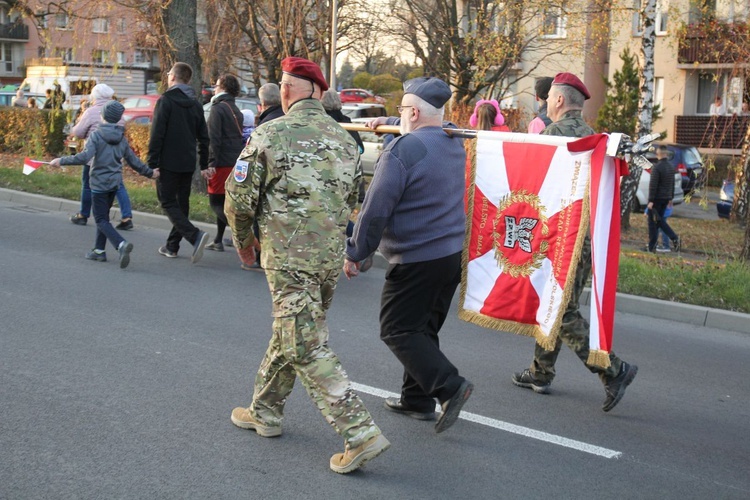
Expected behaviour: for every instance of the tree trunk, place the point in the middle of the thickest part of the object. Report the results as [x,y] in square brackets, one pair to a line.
[180,25]
[629,184]
[741,201]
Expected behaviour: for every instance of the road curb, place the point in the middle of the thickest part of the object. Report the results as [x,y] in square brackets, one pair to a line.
[633,304]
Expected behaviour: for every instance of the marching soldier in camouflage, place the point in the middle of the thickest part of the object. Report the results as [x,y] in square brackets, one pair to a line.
[564,105]
[299,177]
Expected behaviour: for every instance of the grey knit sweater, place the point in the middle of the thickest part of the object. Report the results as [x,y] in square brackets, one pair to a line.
[414,208]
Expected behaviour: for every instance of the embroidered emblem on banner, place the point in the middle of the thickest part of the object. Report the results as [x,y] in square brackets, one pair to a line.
[519,221]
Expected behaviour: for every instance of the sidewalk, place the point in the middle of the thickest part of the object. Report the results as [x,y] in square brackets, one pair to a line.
[672,311]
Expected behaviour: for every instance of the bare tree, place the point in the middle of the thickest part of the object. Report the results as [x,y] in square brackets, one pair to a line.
[481,45]
[629,184]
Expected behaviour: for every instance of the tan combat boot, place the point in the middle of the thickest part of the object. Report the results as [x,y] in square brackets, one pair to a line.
[353,459]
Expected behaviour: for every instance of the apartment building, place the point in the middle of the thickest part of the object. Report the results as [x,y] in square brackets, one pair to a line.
[76,43]
[14,35]
[697,59]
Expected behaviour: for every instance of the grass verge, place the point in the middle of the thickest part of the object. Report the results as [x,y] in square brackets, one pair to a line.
[708,276]
[66,183]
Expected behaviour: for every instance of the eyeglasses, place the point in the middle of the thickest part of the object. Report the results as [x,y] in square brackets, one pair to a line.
[401,108]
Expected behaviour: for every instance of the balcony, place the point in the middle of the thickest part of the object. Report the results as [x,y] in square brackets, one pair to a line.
[713,42]
[711,132]
[14,31]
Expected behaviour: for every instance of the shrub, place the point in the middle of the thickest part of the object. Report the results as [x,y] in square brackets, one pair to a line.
[384,84]
[362,80]
[137,135]
[32,132]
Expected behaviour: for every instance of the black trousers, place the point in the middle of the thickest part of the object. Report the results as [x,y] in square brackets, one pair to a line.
[415,302]
[173,191]
[216,202]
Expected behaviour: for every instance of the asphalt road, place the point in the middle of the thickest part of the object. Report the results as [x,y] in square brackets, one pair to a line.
[119,384]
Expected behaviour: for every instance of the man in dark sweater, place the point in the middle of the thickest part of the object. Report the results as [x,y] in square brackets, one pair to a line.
[178,125]
[413,211]
[270,103]
[660,194]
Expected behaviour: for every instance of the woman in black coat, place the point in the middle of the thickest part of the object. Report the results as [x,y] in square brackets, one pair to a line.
[225,145]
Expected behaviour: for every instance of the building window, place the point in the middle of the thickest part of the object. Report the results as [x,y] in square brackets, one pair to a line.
[660,23]
[122,26]
[701,10]
[101,25]
[6,58]
[139,57]
[659,93]
[64,54]
[710,85]
[41,19]
[121,58]
[553,23]
[62,21]
[100,56]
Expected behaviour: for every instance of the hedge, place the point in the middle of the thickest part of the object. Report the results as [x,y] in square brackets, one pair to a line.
[41,132]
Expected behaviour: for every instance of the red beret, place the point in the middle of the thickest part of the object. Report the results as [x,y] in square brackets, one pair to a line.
[303,68]
[573,81]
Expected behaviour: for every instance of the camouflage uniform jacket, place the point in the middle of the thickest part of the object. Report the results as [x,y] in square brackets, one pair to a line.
[299,176]
[570,125]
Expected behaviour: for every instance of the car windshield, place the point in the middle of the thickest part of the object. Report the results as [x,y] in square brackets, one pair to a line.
[130,102]
[691,155]
[351,113]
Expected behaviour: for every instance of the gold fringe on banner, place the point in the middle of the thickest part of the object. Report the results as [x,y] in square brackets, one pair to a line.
[598,358]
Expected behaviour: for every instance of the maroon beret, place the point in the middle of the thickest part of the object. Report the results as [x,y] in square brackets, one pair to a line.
[573,81]
[303,68]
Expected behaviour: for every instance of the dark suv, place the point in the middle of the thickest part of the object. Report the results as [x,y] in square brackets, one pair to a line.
[688,162]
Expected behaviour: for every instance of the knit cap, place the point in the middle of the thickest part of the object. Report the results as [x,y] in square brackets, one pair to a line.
[112,111]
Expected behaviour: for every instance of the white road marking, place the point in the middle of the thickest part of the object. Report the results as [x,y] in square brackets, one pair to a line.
[508,427]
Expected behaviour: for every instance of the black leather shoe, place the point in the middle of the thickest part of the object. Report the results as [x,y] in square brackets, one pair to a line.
[395,405]
[452,407]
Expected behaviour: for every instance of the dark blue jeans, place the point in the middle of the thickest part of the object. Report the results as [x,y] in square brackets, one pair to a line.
[123,200]
[656,221]
[102,203]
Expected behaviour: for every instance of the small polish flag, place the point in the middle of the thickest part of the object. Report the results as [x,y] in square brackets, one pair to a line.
[29,165]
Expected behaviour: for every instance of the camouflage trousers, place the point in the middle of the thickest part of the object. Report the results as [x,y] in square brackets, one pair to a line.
[574,331]
[299,348]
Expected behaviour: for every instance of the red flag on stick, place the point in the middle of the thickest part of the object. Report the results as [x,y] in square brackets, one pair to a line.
[29,165]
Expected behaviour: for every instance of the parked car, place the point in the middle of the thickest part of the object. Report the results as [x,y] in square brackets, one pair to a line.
[251,103]
[359,95]
[641,195]
[140,108]
[726,199]
[686,160]
[373,144]
[362,110]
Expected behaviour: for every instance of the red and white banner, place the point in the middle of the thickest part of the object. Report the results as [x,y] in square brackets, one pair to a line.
[530,204]
[30,166]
